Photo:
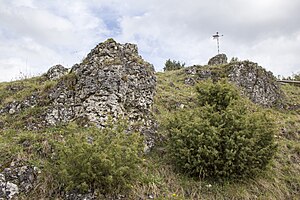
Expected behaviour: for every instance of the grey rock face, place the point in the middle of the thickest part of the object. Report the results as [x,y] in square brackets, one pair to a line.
[113,80]
[255,82]
[56,72]
[62,104]
[196,73]
[11,190]
[218,60]
[2,186]
[17,178]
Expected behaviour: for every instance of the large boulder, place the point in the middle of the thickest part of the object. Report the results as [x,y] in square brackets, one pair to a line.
[56,72]
[218,60]
[112,81]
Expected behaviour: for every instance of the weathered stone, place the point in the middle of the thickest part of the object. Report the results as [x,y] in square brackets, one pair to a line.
[255,82]
[76,196]
[2,186]
[218,60]
[17,106]
[8,190]
[56,72]
[11,190]
[113,80]
[17,178]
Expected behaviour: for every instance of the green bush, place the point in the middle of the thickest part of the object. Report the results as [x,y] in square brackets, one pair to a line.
[173,65]
[224,138]
[106,160]
[296,77]
[218,95]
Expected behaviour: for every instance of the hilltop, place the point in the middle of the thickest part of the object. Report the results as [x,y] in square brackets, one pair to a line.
[113,82]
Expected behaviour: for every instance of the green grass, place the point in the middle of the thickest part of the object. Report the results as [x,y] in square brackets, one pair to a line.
[281,180]
[171,95]
[18,91]
[293,94]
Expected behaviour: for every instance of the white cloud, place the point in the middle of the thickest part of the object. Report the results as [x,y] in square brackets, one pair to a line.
[182,30]
[38,34]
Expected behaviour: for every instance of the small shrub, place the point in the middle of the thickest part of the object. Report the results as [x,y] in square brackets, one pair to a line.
[173,65]
[218,95]
[105,160]
[222,138]
[234,59]
[296,77]
[110,40]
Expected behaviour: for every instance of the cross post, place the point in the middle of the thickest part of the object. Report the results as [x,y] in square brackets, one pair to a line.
[217,36]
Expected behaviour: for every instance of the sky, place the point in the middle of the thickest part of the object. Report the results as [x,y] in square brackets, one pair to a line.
[35,34]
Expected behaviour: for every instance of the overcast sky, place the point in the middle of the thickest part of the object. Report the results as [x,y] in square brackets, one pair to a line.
[37,34]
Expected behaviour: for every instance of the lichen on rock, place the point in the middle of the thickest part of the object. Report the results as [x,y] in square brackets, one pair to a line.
[112,81]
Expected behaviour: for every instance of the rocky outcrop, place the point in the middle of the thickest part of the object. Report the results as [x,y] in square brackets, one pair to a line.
[17,178]
[256,83]
[56,72]
[218,60]
[112,81]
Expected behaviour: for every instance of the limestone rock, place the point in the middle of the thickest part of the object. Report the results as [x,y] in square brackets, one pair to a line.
[17,106]
[75,196]
[17,178]
[56,72]
[11,190]
[2,186]
[218,60]
[112,81]
[256,83]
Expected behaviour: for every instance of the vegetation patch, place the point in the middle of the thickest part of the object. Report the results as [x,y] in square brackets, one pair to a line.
[173,65]
[223,138]
[110,161]
[69,80]
[106,161]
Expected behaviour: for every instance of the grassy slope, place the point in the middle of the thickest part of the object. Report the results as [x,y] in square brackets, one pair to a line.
[18,91]
[280,181]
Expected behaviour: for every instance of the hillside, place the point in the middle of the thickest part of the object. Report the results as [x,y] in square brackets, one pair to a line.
[280,181]
[40,117]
